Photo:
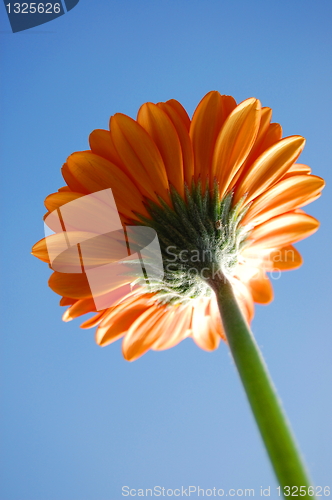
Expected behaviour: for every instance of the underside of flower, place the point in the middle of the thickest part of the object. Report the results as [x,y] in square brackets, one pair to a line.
[200,239]
[194,213]
[220,193]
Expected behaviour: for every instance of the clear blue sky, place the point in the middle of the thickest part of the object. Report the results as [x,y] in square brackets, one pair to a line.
[77,421]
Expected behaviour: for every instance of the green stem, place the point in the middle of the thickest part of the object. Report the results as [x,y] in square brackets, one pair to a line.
[265,404]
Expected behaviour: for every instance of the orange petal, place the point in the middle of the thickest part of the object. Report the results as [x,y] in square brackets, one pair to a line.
[207,121]
[266,115]
[183,135]
[235,141]
[56,200]
[72,182]
[244,298]
[140,155]
[144,332]
[273,135]
[78,309]
[94,321]
[279,259]
[283,259]
[264,124]
[134,298]
[122,319]
[71,285]
[269,168]
[261,289]
[66,301]
[215,320]
[292,192]
[158,125]
[95,213]
[101,143]
[95,173]
[284,230]
[203,332]
[297,169]
[175,329]
[62,252]
[182,113]
[39,250]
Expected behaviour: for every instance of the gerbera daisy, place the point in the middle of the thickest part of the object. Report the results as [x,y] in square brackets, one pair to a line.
[223,192]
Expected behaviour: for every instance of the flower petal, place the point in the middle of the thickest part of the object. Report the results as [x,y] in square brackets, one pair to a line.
[121,319]
[101,143]
[215,320]
[183,135]
[181,112]
[66,301]
[297,169]
[288,194]
[72,182]
[283,259]
[144,332]
[235,141]
[266,114]
[261,289]
[56,200]
[40,251]
[207,121]
[140,155]
[273,135]
[277,259]
[175,329]
[95,173]
[71,285]
[203,332]
[158,125]
[284,230]
[80,307]
[94,321]
[244,298]
[62,252]
[269,168]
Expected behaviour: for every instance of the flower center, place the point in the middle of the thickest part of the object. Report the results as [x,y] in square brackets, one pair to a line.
[200,238]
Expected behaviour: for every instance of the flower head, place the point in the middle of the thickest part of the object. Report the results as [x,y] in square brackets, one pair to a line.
[224,194]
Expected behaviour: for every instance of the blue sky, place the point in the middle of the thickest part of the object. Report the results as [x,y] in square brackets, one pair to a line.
[77,421]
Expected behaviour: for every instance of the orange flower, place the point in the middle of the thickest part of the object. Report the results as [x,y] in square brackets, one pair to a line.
[224,183]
